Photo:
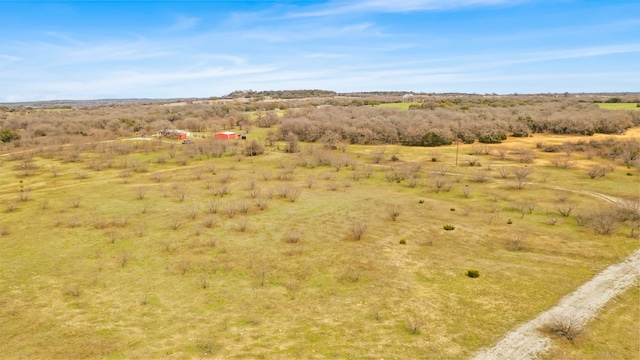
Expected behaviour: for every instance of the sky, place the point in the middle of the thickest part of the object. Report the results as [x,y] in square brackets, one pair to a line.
[53,50]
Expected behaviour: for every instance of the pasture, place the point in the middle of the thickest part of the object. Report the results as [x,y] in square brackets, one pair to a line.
[152,249]
[619,106]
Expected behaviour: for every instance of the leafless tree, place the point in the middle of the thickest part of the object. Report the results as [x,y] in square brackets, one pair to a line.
[377,155]
[243,206]
[526,156]
[293,236]
[597,171]
[222,190]
[480,176]
[564,162]
[501,152]
[179,190]
[157,177]
[565,208]
[213,206]
[225,178]
[193,210]
[243,224]
[176,223]
[504,172]
[24,194]
[604,222]
[262,202]
[393,211]
[565,326]
[141,192]
[516,242]
[231,210]
[358,228]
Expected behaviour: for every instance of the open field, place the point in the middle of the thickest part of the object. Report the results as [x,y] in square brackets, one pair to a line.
[606,338]
[401,106]
[619,106]
[149,249]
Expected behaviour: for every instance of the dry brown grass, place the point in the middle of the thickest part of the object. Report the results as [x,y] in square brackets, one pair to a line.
[251,294]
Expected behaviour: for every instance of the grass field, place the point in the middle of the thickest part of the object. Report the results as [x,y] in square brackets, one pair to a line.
[401,106]
[619,106]
[608,337]
[151,250]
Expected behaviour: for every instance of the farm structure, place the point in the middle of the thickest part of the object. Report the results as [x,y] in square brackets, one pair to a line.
[225,135]
[173,134]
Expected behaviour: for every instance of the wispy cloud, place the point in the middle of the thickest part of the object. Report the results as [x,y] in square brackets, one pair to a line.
[296,33]
[325,56]
[183,22]
[385,6]
[9,58]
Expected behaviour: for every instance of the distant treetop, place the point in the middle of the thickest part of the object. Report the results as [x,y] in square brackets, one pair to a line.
[281,94]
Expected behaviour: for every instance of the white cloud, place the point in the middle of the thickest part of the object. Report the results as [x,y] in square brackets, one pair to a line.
[184,23]
[386,6]
[10,58]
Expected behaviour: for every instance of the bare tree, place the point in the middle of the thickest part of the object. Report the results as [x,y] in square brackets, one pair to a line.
[213,206]
[480,176]
[393,211]
[262,202]
[24,194]
[193,210]
[243,224]
[293,236]
[504,172]
[179,190]
[141,192]
[501,152]
[358,228]
[565,208]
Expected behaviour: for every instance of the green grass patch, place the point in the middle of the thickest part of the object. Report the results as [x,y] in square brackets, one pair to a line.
[619,106]
[401,106]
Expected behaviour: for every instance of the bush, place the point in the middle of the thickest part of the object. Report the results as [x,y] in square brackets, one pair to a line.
[473,273]
[7,135]
[448,227]
[434,139]
[564,326]
[492,138]
[403,241]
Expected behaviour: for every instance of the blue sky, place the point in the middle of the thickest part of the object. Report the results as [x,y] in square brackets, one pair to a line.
[162,49]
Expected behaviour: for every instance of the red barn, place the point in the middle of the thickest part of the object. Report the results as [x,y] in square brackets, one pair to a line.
[225,135]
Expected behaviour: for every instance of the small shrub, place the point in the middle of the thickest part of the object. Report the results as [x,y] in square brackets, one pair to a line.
[473,273]
[448,227]
[413,324]
[509,221]
[403,241]
[564,326]
[452,209]
[358,229]
[421,201]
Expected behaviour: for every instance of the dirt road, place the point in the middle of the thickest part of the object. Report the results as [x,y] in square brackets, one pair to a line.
[580,307]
